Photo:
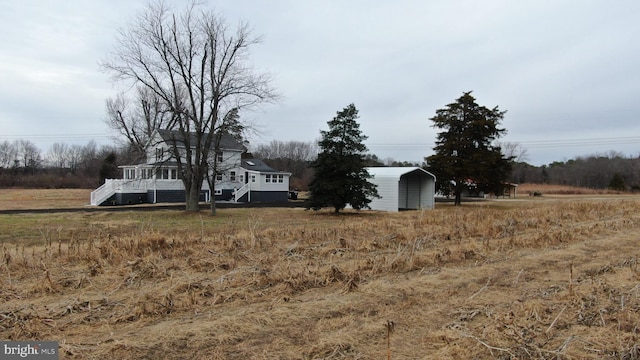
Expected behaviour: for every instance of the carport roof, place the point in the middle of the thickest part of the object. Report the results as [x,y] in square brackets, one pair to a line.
[396,172]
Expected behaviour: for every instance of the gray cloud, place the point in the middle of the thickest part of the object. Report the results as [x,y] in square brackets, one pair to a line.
[562,70]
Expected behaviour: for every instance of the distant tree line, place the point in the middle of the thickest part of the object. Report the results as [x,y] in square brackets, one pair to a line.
[599,171]
[23,164]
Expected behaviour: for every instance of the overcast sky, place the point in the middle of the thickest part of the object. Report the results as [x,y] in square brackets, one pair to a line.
[567,72]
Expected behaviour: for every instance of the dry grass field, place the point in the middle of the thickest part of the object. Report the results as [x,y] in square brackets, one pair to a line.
[550,189]
[545,278]
[17,199]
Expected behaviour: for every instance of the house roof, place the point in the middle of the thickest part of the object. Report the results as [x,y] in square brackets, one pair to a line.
[257,165]
[396,172]
[227,142]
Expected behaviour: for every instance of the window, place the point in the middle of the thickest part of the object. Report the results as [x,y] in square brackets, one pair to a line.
[253,178]
[159,154]
[232,176]
[241,178]
[218,177]
[267,178]
[130,173]
[174,173]
[280,178]
[217,192]
[162,174]
[219,156]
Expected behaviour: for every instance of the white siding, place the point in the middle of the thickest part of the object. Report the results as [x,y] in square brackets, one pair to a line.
[388,190]
[230,159]
[274,185]
[428,196]
[402,188]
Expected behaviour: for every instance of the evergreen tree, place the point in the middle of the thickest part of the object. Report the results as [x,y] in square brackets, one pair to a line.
[340,174]
[617,183]
[109,168]
[465,155]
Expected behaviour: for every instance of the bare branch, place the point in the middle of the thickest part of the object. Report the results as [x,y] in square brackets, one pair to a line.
[197,69]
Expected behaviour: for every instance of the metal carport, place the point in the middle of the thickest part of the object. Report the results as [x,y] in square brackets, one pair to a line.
[403,188]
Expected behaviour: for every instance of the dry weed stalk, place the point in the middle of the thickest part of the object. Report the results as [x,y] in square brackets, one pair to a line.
[390,326]
[479,291]
[555,320]
[571,279]
[130,278]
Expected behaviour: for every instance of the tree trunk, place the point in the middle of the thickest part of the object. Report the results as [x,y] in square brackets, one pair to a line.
[212,191]
[193,198]
[458,199]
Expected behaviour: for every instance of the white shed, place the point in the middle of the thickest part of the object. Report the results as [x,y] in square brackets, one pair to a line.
[403,188]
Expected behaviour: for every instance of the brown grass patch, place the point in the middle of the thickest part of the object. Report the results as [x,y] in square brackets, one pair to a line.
[17,199]
[534,280]
[552,189]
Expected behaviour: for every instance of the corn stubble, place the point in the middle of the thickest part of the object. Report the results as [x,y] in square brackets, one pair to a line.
[534,280]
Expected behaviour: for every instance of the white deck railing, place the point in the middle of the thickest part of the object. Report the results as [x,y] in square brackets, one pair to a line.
[99,195]
[114,186]
[246,188]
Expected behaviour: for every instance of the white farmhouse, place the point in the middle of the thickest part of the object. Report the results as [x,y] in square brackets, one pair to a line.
[157,180]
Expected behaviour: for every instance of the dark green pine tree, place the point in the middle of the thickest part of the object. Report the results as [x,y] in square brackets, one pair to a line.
[617,183]
[109,168]
[465,155]
[340,174]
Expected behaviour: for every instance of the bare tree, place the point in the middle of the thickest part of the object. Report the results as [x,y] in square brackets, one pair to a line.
[8,154]
[58,155]
[75,154]
[291,156]
[197,67]
[28,154]
[514,150]
[136,119]
[293,150]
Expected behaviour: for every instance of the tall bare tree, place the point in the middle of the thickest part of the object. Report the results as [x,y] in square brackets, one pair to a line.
[197,67]
[514,150]
[136,119]
[28,154]
[8,154]
[294,150]
[58,155]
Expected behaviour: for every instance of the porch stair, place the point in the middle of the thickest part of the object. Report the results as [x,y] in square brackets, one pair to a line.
[239,193]
[104,192]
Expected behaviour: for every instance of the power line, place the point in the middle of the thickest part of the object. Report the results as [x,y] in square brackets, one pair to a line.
[529,144]
[580,142]
[629,140]
[54,136]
